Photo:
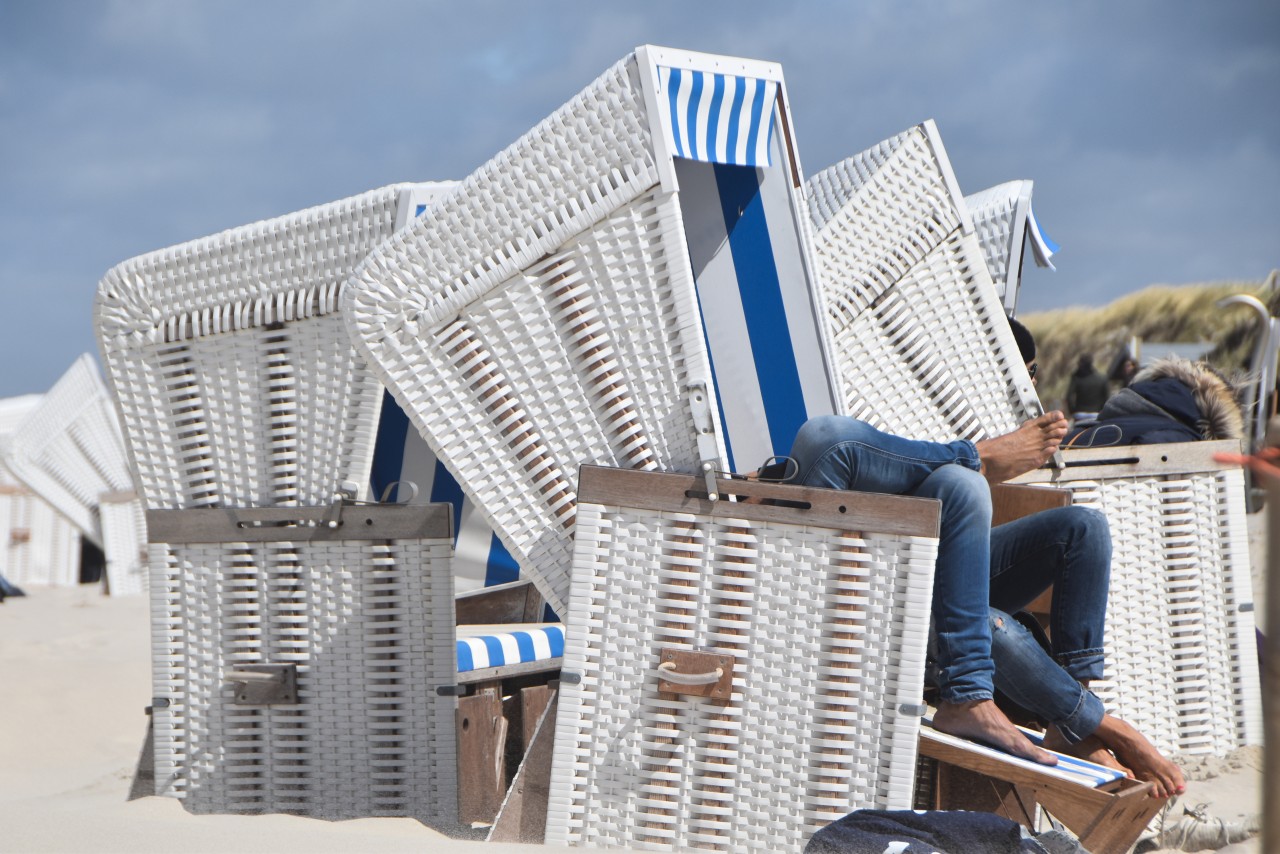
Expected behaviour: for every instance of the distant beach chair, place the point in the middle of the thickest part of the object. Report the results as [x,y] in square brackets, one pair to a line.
[69,450]
[629,285]
[293,669]
[1005,224]
[917,330]
[38,545]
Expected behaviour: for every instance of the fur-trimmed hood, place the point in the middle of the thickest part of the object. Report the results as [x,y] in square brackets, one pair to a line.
[1220,412]
[1173,400]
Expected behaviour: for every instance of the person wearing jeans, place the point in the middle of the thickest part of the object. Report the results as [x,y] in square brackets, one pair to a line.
[983,574]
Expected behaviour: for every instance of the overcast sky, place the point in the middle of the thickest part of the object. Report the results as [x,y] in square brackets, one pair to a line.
[1150,128]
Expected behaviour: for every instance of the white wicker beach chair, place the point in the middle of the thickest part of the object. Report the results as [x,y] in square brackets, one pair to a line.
[239,388]
[924,351]
[69,450]
[737,675]
[545,314]
[1182,660]
[918,333]
[38,545]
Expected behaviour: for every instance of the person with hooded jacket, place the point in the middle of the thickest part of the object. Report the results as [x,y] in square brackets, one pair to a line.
[1173,400]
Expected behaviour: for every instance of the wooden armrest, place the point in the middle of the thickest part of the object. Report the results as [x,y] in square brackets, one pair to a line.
[514,602]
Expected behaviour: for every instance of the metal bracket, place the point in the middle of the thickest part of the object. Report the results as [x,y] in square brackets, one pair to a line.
[451,690]
[264,684]
[916,710]
[704,423]
[567,678]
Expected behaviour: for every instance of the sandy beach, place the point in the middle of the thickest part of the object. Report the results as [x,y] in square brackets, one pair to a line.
[75,669]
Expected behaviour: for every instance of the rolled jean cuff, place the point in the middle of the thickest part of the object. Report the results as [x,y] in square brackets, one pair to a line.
[1084,665]
[1084,720]
[971,696]
[970,460]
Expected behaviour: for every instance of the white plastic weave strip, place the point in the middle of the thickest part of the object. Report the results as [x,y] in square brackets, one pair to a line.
[236,382]
[918,330]
[369,626]
[1000,223]
[828,628]
[541,317]
[1181,655]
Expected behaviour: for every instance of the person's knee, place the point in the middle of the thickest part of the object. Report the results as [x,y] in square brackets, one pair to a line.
[965,494]
[827,430]
[1088,525]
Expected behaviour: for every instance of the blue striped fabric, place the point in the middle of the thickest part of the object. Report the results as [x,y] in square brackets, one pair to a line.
[518,647]
[719,118]
[400,454]
[758,316]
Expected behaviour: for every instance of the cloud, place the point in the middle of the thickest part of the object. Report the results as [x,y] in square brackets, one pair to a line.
[133,124]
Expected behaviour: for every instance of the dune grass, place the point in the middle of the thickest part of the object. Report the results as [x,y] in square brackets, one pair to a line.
[1163,313]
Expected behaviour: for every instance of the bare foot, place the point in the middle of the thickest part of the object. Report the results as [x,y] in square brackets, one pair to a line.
[1132,749]
[1090,749]
[982,720]
[1026,448]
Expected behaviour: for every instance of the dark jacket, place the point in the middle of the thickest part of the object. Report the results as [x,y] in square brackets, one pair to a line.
[1087,393]
[1172,401]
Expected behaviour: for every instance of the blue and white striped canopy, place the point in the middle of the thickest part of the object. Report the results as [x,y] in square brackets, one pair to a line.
[1043,247]
[719,118]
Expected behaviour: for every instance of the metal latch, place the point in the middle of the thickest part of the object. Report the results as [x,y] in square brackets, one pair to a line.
[264,684]
[704,424]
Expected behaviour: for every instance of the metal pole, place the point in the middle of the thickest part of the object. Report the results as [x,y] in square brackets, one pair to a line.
[1271,667]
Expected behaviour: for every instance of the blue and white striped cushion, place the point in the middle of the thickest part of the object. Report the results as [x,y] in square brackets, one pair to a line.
[480,651]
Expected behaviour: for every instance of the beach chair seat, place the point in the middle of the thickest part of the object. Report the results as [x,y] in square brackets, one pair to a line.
[38,545]
[1181,654]
[70,451]
[737,674]
[917,330]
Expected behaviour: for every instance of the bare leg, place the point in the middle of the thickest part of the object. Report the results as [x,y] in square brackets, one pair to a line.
[1026,448]
[982,720]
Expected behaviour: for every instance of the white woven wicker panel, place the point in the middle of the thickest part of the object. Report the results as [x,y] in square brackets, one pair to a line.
[1000,223]
[69,449]
[1181,655]
[586,356]
[370,626]
[917,328]
[236,382]
[124,536]
[828,627]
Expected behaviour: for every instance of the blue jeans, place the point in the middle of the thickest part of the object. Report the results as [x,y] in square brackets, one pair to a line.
[982,574]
